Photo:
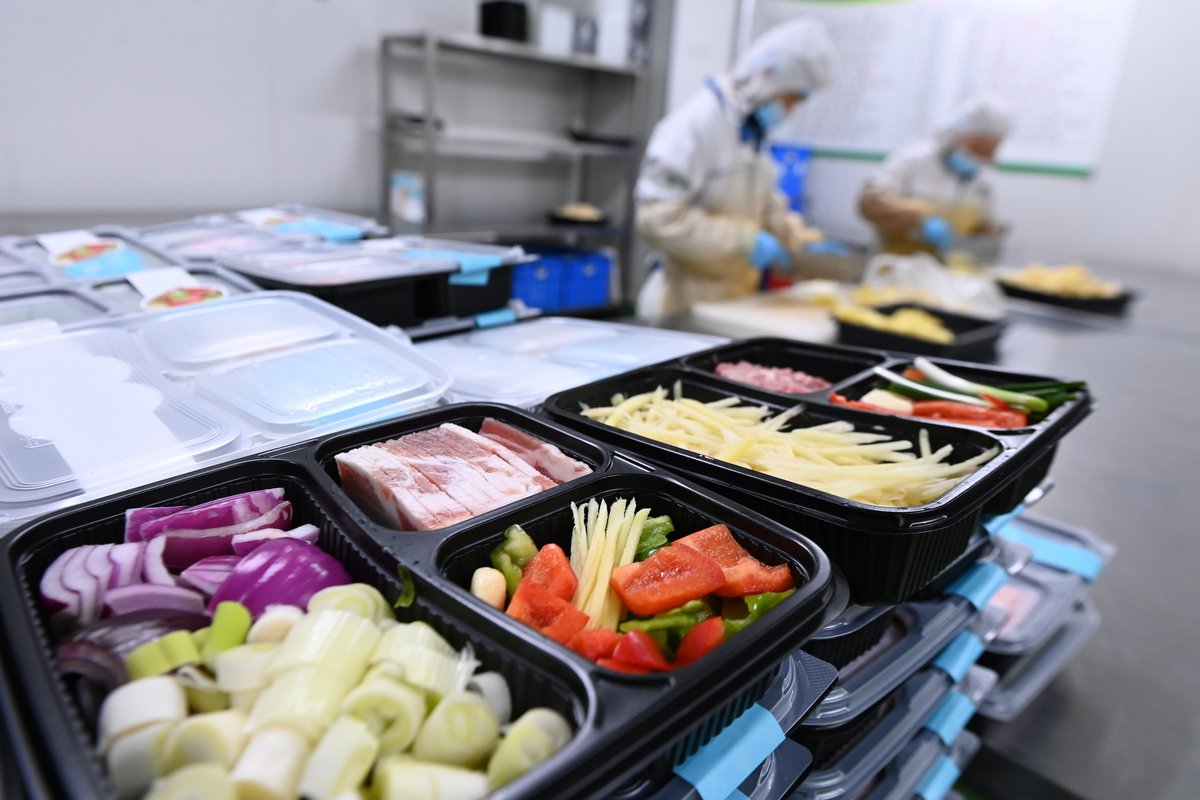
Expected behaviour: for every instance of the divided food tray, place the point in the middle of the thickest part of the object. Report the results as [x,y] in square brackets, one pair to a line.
[60,304]
[887,554]
[975,339]
[1022,681]
[1115,306]
[202,239]
[168,392]
[1034,603]
[625,724]
[524,363]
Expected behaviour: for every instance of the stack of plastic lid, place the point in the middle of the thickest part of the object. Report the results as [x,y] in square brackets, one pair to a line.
[136,398]
[102,252]
[204,238]
[294,218]
[522,364]
[1048,613]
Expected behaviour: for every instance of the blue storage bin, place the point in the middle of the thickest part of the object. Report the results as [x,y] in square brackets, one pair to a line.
[793,161]
[538,284]
[585,281]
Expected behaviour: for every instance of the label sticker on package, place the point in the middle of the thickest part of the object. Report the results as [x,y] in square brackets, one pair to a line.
[115,264]
[70,247]
[266,217]
[172,287]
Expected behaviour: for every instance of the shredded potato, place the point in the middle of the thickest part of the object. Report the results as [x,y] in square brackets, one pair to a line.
[835,458]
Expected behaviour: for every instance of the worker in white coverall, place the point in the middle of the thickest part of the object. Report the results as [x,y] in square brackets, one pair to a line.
[926,194]
[706,197]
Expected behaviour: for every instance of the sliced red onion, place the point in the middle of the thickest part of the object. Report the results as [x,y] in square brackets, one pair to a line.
[208,574]
[281,571]
[54,593]
[153,568]
[135,518]
[244,543]
[145,596]
[92,662]
[124,634]
[186,547]
[126,561]
[100,568]
[76,579]
[217,514]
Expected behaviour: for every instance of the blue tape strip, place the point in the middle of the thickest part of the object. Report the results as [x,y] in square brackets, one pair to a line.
[467,262]
[326,229]
[959,656]
[737,794]
[109,265]
[979,584]
[490,319]
[1060,555]
[951,717]
[470,278]
[995,523]
[719,767]
[939,780]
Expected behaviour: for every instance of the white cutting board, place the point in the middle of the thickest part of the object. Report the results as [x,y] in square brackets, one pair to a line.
[784,313]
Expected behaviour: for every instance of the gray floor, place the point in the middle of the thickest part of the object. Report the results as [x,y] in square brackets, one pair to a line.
[1123,721]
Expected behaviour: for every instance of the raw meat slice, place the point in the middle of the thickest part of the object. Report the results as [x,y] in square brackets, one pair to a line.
[503,452]
[501,477]
[450,474]
[396,489]
[543,456]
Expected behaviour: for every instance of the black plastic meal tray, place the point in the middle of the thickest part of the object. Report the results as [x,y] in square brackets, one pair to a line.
[974,338]
[1116,306]
[836,363]
[887,554]
[843,647]
[387,302]
[625,725]
[438,297]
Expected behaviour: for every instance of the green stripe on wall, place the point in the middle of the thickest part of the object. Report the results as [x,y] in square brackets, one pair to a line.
[1034,169]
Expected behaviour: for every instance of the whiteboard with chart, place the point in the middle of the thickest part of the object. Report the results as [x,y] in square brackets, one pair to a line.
[905,65]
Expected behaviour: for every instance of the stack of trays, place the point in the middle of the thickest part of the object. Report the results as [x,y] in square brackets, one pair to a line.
[1049,615]
[887,554]
[524,363]
[140,254]
[626,728]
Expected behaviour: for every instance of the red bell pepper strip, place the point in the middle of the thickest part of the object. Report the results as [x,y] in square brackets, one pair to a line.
[969,415]
[595,644]
[546,613]
[700,641]
[744,574]
[551,569]
[668,579]
[841,400]
[621,666]
[638,649]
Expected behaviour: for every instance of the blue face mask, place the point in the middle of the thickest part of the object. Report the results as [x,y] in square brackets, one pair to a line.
[963,164]
[769,115]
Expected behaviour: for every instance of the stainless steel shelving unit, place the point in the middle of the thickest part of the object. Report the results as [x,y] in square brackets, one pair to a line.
[416,138]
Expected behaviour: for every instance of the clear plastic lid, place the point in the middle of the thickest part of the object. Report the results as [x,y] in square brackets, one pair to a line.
[122,296]
[207,334]
[205,243]
[1026,679]
[636,347]
[340,266]
[83,410]
[418,244]
[542,335]
[916,633]
[520,380]
[53,304]
[918,764]
[304,386]
[16,280]
[1034,603]
[909,707]
[140,253]
[1062,547]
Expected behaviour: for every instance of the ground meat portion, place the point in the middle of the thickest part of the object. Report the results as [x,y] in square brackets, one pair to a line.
[776,379]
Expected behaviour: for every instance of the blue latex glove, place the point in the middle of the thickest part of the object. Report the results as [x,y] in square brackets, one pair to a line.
[936,233]
[767,251]
[828,247]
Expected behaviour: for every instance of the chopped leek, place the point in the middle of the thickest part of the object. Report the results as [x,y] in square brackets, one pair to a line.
[462,730]
[1020,399]
[340,641]
[244,668]
[133,759]
[900,380]
[270,766]
[340,762]
[216,737]
[493,688]
[391,711]
[399,778]
[137,704]
[357,598]
[305,699]
[230,624]
[538,734]
[198,782]
[274,624]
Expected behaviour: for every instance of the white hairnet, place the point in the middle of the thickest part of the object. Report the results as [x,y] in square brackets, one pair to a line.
[796,56]
[981,116]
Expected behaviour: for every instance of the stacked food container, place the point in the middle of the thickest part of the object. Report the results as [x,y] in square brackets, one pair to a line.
[270,448]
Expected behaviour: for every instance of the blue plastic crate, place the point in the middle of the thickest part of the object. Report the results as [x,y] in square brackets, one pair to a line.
[538,284]
[585,281]
[793,161]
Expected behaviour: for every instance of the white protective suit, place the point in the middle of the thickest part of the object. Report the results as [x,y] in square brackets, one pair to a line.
[914,182]
[703,194]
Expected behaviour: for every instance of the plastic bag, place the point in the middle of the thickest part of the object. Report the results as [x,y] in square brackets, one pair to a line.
[922,279]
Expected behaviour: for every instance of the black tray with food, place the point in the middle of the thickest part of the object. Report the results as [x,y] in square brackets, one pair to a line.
[964,394]
[974,339]
[601,726]
[890,530]
[1116,306]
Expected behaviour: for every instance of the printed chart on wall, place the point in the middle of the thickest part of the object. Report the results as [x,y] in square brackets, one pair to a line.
[904,65]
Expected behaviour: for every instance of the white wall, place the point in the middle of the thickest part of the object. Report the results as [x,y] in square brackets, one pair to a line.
[1141,206]
[188,105]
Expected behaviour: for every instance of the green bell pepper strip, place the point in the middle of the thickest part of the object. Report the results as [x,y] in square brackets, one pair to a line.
[512,555]
[756,606]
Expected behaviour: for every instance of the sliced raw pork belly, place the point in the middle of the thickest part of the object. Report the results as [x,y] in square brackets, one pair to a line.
[394,487]
[543,456]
